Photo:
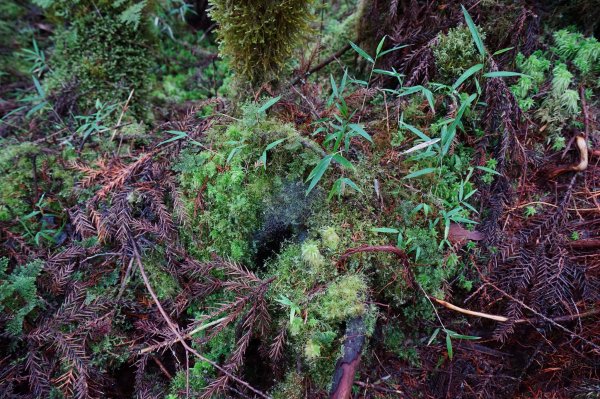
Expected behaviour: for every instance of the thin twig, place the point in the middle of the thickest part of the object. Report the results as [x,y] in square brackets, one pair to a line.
[321,65]
[175,329]
[469,312]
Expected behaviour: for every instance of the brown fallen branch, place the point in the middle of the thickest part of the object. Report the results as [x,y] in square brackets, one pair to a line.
[347,365]
[581,144]
[321,65]
[381,248]
[585,243]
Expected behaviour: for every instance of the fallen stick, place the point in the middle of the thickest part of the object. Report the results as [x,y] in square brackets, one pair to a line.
[347,365]
[321,65]
[581,144]
[469,312]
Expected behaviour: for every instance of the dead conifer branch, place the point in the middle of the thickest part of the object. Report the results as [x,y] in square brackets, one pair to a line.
[175,330]
[450,306]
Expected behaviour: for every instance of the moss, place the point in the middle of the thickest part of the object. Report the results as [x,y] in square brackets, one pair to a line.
[330,238]
[105,57]
[344,299]
[259,36]
[233,185]
[34,189]
[454,53]
[164,284]
[311,255]
[290,388]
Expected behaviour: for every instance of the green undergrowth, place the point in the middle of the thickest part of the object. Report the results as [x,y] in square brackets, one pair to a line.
[570,64]
[251,181]
[34,191]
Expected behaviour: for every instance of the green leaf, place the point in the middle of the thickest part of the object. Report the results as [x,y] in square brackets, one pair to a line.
[387,73]
[392,49]
[38,87]
[351,184]
[420,173]
[503,74]
[177,135]
[466,75]
[233,153]
[343,161]
[339,184]
[433,336]
[429,96]
[385,230]
[263,157]
[36,108]
[269,104]
[474,32]
[449,346]
[359,129]
[380,46]
[317,173]
[461,336]
[488,170]
[410,90]
[504,50]
[362,53]
[416,131]
[333,86]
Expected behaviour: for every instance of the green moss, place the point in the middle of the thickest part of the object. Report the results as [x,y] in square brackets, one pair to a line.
[164,284]
[259,36]
[290,388]
[344,299]
[105,57]
[233,185]
[34,189]
[454,53]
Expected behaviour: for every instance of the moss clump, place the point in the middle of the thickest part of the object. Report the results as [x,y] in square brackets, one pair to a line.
[311,255]
[290,388]
[34,189]
[260,35]
[232,185]
[455,52]
[105,57]
[343,299]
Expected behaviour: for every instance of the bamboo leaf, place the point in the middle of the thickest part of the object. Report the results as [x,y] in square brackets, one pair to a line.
[269,104]
[466,75]
[474,32]
[503,74]
[317,172]
[359,129]
[385,230]
[362,53]
[420,173]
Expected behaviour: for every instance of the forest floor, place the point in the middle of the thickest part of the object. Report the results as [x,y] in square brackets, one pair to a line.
[410,209]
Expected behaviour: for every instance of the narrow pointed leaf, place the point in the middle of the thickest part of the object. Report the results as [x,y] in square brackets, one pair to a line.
[362,53]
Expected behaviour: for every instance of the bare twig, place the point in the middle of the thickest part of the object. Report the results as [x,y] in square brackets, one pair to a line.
[321,65]
[469,312]
[176,331]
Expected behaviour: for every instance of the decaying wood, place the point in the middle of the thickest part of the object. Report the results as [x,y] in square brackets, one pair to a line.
[581,144]
[347,365]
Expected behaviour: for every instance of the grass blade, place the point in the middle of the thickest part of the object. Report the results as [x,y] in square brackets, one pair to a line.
[474,32]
